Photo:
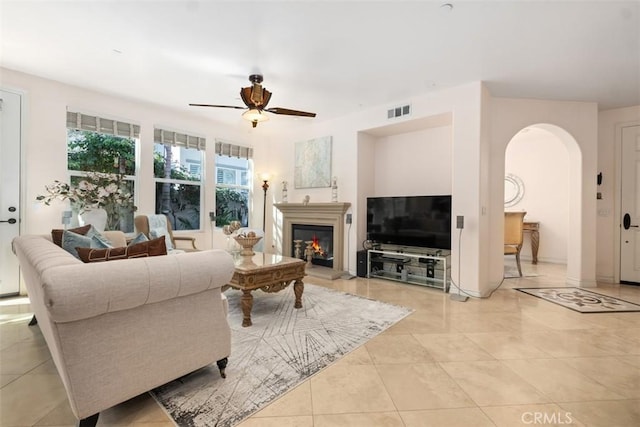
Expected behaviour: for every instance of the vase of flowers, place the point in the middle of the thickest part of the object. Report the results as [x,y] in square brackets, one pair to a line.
[94,190]
[97,217]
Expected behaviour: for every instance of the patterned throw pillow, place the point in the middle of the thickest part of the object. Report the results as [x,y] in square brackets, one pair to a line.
[56,234]
[138,239]
[160,232]
[72,241]
[149,248]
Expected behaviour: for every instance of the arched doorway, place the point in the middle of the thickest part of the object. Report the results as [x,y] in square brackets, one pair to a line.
[550,161]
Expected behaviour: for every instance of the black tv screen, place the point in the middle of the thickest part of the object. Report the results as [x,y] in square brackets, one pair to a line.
[422,221]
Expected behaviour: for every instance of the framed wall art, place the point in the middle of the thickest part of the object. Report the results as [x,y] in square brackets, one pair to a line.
[313,163]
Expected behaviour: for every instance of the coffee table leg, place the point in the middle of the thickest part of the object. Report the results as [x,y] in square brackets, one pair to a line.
[247,305]
[298,288]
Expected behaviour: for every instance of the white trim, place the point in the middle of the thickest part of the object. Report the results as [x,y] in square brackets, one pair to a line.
[22,211]
[617,205]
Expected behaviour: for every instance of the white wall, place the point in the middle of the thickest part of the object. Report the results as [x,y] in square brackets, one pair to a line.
[413,163]
[481,128]
[45,146]
[575,124]
[540,160]
[462,105]
[609,216]
[480,131]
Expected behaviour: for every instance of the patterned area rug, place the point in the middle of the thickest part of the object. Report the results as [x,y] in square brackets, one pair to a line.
[282,348]
[582,300]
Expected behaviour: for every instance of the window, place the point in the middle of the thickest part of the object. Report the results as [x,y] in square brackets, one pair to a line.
[108,147]
[233,172]
[194,169]
[177,166]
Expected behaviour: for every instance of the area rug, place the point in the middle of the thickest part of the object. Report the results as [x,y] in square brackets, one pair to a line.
[582,300]
[282,348]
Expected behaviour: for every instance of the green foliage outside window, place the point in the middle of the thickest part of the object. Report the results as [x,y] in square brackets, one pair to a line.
[108,154]
[231,205]
[97,152]
[179,201]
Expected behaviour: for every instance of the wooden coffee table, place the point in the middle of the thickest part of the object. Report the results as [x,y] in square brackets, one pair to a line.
[269,273]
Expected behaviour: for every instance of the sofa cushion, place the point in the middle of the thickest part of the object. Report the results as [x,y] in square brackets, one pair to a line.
[149,248]
[56,234]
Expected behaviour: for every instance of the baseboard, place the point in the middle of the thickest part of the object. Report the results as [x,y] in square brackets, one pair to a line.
[572,281]
[605,279]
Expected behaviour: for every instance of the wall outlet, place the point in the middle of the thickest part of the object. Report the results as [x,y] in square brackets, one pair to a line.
[349,218]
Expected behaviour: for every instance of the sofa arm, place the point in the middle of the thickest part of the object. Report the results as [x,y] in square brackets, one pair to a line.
[81,291]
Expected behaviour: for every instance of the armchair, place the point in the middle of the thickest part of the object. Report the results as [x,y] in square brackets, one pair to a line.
[513,227]
[154,226]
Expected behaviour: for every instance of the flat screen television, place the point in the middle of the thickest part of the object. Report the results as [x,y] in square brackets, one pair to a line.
[422,221]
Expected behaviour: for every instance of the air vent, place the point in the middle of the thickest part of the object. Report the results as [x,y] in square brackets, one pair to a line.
[403,110]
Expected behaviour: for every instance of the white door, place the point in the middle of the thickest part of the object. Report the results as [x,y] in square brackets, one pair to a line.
[630,204]
[10,107]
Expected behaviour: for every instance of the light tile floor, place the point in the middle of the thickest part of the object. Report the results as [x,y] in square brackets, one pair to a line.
[508,360]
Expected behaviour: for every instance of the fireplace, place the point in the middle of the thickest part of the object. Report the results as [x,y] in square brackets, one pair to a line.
[329,215]
[321,237]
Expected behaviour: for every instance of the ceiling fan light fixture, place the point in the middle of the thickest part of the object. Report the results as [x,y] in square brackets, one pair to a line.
[255,116]
[256,98]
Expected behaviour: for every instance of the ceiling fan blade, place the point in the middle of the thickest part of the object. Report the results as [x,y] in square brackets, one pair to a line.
[288,112]
[218,106]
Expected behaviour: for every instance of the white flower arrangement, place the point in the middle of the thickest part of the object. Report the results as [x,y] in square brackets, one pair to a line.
[94,190]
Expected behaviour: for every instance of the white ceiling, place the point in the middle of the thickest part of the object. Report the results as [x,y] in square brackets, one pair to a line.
[328,57]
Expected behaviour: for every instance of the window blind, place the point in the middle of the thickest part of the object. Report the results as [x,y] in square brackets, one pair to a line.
[233,150]
[177,139]
[81,121]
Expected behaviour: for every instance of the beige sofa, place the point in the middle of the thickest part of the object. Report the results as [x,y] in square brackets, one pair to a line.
[120,328]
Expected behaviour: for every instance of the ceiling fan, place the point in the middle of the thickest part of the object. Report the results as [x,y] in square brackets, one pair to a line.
[256,98]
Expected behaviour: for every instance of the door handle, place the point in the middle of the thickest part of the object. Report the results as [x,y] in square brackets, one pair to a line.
[626,222]
[10,220]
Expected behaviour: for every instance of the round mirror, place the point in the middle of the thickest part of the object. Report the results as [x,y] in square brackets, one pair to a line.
[513,190]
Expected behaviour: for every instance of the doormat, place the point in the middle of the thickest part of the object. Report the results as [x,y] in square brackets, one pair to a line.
[282,348]
[582,300]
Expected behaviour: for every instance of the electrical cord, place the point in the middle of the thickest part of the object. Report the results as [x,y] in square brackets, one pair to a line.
[458,286]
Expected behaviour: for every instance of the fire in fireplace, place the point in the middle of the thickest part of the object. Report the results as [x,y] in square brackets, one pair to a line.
[322,238]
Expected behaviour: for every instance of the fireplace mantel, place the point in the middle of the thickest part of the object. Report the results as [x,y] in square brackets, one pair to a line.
[315,214]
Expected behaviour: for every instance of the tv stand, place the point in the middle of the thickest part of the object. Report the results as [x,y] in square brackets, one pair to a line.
[416,266]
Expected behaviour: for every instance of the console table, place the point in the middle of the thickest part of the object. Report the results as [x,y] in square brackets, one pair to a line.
[534,229]
[410,267]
